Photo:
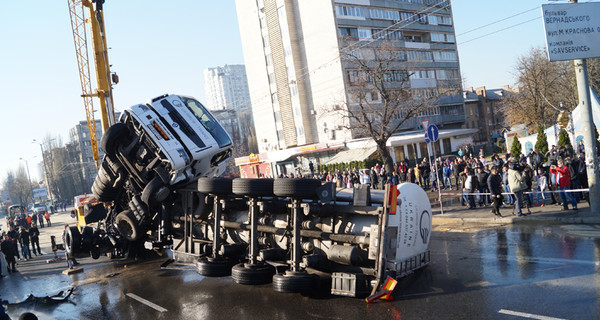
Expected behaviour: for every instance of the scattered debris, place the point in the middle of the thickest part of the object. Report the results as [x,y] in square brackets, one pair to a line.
[61,296]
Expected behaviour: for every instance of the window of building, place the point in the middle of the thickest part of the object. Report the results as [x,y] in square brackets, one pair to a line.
[266,41]
[347,11]
[439,20]
[386,34]
[422,74]
[271,77]
[348,33]
[269,59]
[412,37]
[364,33]
[413,17]
[395,76]
[446,74]
[374,95]
[437,3]
[384,14]
[274,98]
[442,37]
[419,56]
[445,56]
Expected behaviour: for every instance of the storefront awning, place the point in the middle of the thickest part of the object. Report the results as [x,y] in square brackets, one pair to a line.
[358,154]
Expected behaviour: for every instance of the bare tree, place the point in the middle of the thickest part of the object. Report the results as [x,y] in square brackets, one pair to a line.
[18,186]
[379,95]
[541,84]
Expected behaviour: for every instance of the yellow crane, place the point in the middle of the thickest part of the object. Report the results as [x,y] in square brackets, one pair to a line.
[104,78]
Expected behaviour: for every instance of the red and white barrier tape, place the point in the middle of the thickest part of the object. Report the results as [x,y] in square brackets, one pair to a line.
[527,192]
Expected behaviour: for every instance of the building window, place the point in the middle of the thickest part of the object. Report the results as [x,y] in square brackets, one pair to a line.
[271,77]
[442,37]
[348,33]
[345,12]
[412,37]
[419,56]
[445,56]
[413,17]
[446,74]
[395,76]
[422,74]
[386,34]
[440,20]
[374,95]
[364,33]
[269,59]
[384,14]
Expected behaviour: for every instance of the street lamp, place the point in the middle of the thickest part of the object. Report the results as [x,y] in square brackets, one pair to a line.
[29,179]
[45,169]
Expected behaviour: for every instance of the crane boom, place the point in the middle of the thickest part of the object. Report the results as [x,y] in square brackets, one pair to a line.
[102,67]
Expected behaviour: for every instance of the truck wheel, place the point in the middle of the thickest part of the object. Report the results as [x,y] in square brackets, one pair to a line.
[248,274]
[296,188]
[72,241]
[295,282]
[252,187]
[210,267]
[113,137]
[218,186]
[154,192]
[127,225]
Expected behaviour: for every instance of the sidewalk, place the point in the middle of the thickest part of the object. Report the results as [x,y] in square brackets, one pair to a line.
[548,214]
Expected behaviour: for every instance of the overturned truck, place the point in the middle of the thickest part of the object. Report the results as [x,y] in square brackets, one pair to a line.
[295,233]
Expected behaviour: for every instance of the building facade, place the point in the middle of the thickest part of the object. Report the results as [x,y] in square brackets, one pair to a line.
[296,71]
[81,154]
[484,112]
[226,87]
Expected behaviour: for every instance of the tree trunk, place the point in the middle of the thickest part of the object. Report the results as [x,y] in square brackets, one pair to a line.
[385,155]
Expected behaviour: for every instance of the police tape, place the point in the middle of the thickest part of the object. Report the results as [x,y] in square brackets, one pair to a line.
[526,192]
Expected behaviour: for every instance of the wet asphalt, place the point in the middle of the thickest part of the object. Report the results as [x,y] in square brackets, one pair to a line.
[506,271]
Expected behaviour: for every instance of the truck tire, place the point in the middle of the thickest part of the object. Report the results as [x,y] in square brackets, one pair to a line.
[72,241]
[127,225]
[113,137]
[247,274]
[218,186]
[154,192]
[296,188]
[252,187]
[295,282]
[210,267]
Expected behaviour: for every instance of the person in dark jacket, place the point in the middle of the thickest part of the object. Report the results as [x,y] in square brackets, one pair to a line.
[494,184]
[8,249]
[34,234]
[24,238]
[482,177]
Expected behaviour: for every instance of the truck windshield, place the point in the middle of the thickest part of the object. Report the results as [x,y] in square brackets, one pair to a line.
[208,121]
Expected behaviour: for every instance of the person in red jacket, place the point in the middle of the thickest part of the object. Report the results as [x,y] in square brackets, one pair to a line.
[563,181]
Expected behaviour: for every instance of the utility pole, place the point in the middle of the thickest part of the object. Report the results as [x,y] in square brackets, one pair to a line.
[589,139]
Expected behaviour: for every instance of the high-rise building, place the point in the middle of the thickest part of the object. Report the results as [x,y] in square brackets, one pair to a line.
[296,71]
[80,151]
[226,88]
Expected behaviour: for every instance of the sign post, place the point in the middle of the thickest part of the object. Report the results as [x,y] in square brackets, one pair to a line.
[572,33]
[432,135]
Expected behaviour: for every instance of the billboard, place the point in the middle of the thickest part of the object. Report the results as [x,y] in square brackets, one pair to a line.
[572,30]
[40,192]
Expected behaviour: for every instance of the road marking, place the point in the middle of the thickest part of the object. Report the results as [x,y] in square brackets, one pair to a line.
[527,315]
[146,302]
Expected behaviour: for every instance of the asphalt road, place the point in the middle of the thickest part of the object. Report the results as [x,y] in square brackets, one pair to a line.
[501,272]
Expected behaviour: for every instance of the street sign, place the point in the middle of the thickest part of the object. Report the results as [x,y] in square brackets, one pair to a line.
[572,30]
[425,124]
[433,133]
[427,138]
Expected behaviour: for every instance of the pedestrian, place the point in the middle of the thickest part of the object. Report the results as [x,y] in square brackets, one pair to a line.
[34,235]
[8,249]
[24,239]
[517,184]
[447,173]
[28,218]
[470,187]
[40,218]
[542,186]
[482,178]
[410,176]
[71,262]
[2,258]
[494,184]
[509,197]
[563,181]
[14,235]
[48,219]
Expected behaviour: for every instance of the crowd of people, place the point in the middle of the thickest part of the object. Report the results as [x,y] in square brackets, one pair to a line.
[522,181]
[22,238]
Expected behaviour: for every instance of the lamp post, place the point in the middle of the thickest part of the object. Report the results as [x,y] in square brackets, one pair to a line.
[29,180]
[46,170]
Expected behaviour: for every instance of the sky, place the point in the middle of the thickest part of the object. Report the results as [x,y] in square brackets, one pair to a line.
[159,47]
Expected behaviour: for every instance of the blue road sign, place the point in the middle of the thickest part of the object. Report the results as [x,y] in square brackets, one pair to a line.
[433,133]
[427,138]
